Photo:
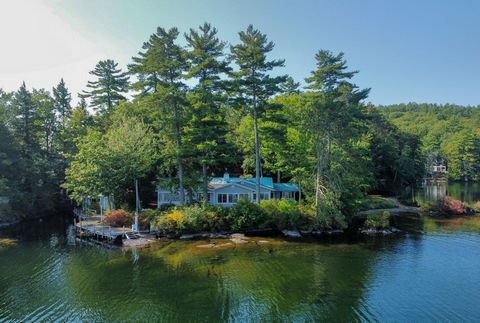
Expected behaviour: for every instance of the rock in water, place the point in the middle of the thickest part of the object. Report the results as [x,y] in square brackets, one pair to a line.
[292,233]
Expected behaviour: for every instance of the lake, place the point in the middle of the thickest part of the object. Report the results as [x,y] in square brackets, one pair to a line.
[429,273]
[430,192]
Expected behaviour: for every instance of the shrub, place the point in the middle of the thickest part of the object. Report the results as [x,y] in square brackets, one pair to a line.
[118,218]
[246,215]
[453,206]
[378,220]
[377,202]
[330,214]
[192,218]
[286,214]
[173,221]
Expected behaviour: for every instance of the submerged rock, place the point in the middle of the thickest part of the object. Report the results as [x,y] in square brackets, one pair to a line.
[291,233]
[334,232]
[193,236]
[238,238]
[206,246]
[383,232]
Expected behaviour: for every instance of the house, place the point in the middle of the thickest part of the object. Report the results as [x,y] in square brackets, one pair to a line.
[226,191]
[439,169]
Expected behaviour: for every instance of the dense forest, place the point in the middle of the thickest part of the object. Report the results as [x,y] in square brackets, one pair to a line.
[192,106]
[450,135]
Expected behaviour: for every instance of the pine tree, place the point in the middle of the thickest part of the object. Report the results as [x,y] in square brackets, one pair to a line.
[161,69]
[290,86]
[62,102]
[82,103]
[207,127]
[25,122]
[253,82]
[109,87]
[46,118]
[328,109]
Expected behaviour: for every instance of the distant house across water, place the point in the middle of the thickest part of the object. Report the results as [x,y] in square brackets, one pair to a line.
[439,169]
[226,191]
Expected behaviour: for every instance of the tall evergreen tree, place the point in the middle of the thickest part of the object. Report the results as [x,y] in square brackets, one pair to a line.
[290,86]
[167,61]
[25,122]
[46,118]
[253,81]
[109,87]
[82,103]
[62,102]
[329,109]
[207,127]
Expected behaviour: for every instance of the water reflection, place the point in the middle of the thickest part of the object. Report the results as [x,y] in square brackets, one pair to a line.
[405,278]
[435,191]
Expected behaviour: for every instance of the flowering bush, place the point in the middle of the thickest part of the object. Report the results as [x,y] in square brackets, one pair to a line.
[453,206]
[192,218]
[118,218]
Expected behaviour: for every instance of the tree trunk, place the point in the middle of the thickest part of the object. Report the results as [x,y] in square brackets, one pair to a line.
[205,183]
[257,153]
[319,157]
[181,189]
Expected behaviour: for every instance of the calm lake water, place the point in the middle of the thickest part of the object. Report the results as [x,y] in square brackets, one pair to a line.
[466,192]
[430,273]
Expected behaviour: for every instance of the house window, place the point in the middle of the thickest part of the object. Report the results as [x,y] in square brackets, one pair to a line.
[222,198]
[264,196]
[243,196]
[287,195]
[232,198]
[209,197]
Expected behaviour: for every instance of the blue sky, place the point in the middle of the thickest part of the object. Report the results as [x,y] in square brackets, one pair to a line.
[423,51]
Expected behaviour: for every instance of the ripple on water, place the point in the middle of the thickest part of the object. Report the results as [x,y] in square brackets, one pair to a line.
[431,277]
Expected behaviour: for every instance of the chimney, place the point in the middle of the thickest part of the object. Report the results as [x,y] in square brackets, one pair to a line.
[226,175]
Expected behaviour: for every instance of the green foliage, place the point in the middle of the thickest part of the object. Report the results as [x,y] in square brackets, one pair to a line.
[109,163]
[107,91]
[62,99]
[253,83]
[377,202]
[194,218]
[286,214]
[396,155]
[246,215]
[378,220]
[449,135]
[196,112]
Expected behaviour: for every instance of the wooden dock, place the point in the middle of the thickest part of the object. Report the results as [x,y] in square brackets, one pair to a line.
[92,227]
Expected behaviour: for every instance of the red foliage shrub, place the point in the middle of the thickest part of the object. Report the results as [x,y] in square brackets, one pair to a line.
[453,206]
[118,218]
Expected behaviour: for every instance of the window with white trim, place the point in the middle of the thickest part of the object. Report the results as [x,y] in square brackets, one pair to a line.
[222,198]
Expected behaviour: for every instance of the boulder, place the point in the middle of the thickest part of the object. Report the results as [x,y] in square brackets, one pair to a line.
[194,236]
[291,233]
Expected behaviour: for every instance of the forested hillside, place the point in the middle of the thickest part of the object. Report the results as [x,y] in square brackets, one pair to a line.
[198,107]
[450,134]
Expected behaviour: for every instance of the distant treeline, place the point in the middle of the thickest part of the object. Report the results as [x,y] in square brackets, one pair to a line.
[450,134]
